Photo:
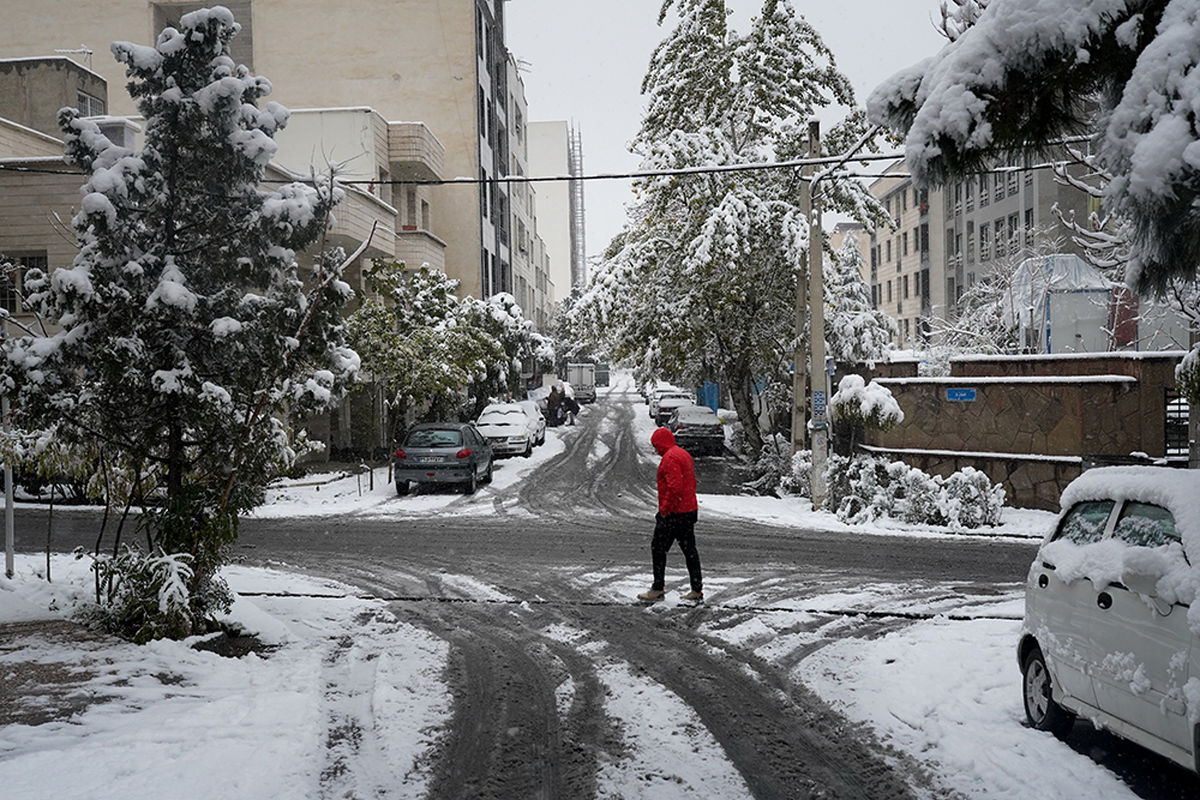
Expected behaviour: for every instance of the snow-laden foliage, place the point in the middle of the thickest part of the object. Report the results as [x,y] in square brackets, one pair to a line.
[183,338]
[870,405]
[1029,71]
[146,596]
[701,284]
[855,330]
[865,488]
[438,357]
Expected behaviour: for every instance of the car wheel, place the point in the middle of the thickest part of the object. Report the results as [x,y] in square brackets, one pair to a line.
[472,483]
[402,488]
[528,450]
[488,477]
[1040,709]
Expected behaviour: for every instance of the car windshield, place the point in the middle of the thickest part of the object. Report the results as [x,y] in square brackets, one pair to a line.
[434,437]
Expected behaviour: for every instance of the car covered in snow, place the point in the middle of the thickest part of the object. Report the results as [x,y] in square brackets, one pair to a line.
[442,452]
[665,403]
[697,429]
[509,428]
[1108,634]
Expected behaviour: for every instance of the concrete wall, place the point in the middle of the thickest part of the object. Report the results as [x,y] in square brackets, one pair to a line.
[32,92]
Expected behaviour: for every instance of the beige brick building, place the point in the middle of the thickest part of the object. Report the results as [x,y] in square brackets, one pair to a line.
[441,63]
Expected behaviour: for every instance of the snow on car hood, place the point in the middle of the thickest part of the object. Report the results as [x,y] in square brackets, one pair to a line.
[1104,562]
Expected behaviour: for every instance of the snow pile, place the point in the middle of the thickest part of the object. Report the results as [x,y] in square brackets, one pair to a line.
[865,488]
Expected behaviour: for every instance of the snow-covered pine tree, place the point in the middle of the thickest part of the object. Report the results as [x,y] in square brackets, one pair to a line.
[856,331]
[182,340]
[701,284]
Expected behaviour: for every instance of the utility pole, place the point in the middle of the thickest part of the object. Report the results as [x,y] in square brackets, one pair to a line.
[816,336]
[9,538]
[799,357]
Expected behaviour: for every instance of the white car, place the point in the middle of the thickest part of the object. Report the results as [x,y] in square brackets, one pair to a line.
[1107,634]
[663,393]
[508,428]
[534,412]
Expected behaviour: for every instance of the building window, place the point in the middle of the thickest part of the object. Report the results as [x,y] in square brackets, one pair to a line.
[924,238]
[88,105]
[1014,182]
[426,217]
[998,192]
[970,189]
[904,244]
[1013,225]
[12,278]
[410,208]
[904,201]
[905,285]
[889,250]
[985,242]
[889,291]
[1029,226]
[168,15]
[984,198]
[1000,238]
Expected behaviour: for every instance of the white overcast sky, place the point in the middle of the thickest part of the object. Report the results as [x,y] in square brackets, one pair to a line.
[586,59]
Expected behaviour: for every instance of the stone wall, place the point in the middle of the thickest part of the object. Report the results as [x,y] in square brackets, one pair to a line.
[1032,423]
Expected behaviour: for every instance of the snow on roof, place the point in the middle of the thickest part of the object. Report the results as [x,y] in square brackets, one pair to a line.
[1134,355]
[1177,490]
[993,379]
[972,454]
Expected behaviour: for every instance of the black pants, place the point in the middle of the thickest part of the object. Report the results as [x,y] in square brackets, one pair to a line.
[680,528]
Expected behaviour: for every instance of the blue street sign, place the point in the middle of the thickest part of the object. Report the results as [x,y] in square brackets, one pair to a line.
[960,395]
[818,403]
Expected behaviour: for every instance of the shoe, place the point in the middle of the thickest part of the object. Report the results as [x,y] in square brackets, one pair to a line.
[693,595]
[652,595]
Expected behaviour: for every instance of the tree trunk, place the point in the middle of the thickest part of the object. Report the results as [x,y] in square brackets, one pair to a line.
[743,403]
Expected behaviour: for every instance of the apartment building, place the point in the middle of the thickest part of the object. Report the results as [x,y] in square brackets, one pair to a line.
[908,259]
[556,149]
[441,63]
[944,240]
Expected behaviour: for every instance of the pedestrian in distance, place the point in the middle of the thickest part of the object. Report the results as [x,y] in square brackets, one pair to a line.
[553,407]
[676,517]
[572,408]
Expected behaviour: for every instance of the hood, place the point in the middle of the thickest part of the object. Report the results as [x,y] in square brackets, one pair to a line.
[663,440]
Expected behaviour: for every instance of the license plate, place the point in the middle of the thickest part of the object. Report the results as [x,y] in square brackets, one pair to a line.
[428,460]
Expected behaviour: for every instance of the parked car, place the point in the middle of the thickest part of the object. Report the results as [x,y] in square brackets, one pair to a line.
[534,412]
[697,429]
[443,452]
[673,393]
[1106,633]
[667,404]
[508,428]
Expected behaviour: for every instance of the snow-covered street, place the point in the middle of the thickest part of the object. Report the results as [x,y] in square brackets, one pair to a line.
[351,697]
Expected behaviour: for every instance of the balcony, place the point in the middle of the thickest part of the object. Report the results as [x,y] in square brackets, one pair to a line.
[414,153]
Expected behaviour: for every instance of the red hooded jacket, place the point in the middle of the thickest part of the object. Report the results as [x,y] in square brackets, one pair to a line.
[676,475]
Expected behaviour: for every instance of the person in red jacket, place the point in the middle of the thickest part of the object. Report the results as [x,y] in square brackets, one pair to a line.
[676,517]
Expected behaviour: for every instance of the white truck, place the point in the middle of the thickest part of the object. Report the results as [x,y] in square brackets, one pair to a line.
[582,377]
